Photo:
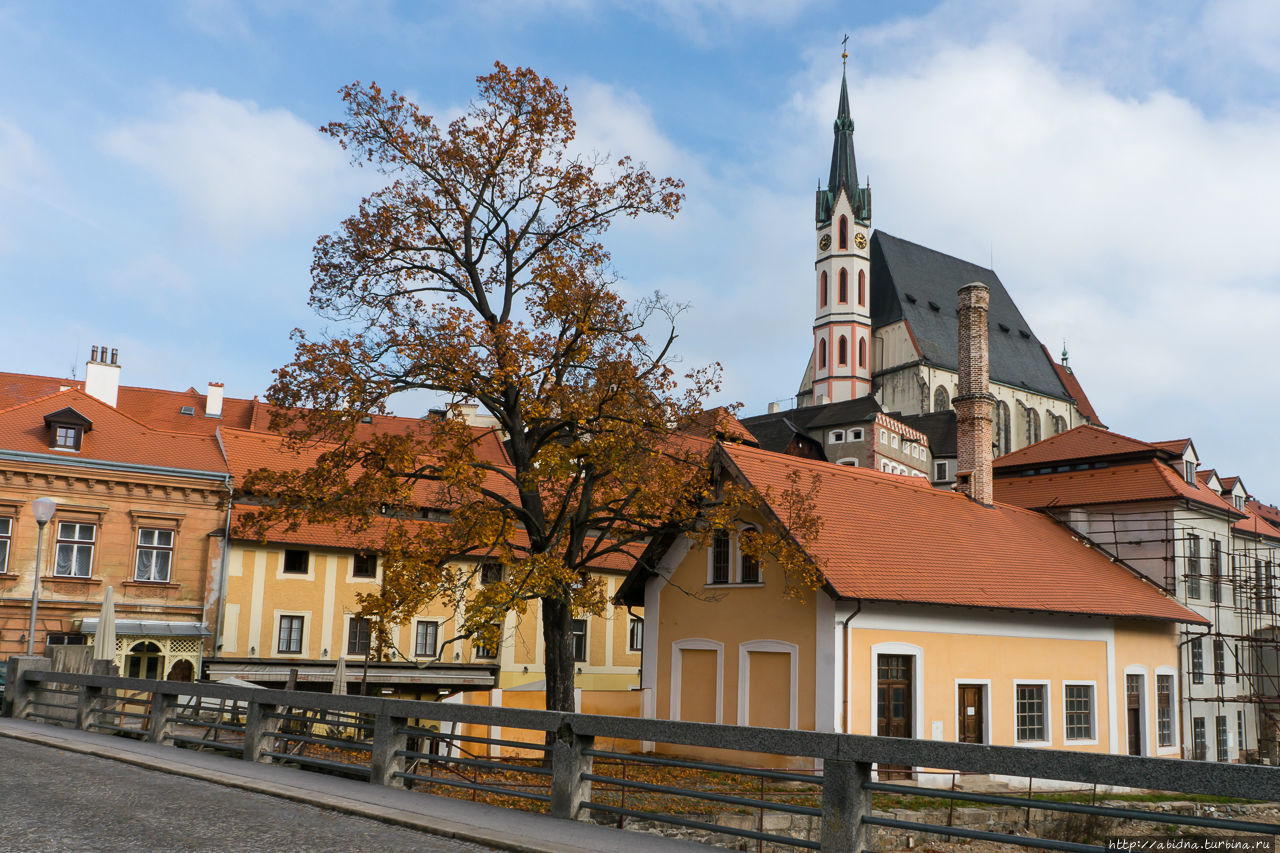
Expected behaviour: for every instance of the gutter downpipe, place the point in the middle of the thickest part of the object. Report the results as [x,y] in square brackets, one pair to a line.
[844,675]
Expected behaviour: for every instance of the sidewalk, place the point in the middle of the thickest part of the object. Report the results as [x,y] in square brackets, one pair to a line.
[502,829]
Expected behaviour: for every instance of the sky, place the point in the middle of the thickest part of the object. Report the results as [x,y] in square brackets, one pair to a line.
[162,180]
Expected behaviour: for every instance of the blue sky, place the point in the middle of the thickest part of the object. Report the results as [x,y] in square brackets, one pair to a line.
[162,183]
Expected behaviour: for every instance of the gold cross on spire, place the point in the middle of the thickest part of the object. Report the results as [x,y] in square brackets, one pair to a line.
[844,56]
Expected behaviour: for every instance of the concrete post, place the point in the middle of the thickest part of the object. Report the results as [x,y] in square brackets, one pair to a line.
[568,764]
[259,726]
[18,692]
[388,739]
[844,803]
[160,723]
[88,704]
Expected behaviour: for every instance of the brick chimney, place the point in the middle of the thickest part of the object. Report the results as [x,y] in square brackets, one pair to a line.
[974,403]
[213,401]
[102,376]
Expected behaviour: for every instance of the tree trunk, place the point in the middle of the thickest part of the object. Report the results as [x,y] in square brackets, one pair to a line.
[557,638]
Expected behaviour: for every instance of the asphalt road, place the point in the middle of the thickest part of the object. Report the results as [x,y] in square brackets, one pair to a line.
[51,800]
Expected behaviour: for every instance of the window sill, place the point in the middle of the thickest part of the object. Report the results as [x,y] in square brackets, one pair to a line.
[734,585]
[1081,742]
[56,579]
[1034,743]
[151,584]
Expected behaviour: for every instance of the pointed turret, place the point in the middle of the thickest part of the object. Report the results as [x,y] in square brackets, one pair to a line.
[844,167]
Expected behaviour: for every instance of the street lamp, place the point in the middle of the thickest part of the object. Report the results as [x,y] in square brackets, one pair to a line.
[42,509]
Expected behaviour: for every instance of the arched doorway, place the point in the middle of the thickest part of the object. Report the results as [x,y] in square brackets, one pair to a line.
[143,661]
[181,670]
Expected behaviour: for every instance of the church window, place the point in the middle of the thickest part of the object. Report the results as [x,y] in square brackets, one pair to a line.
[862,287]
[844,286]
[822,291]
[862,352]
[822,355]
[844,232]
[843,351]
[1004,437]
[941,399]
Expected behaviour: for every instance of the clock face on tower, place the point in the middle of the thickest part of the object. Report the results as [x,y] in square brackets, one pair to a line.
[824,242]
[860,241]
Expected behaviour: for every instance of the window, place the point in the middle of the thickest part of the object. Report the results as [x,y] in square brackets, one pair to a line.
[75,550]
[842,295]
[862,352]
[66,437]
[941,400]
[364,565]
[1030,712]
[884,436]
[749,563]
[1268,585]
[1240,730]
[940,470]
[358,636]
[425,637]
[862,287]
[1215,571]
[490,573]
[842,351]
[155,555]
[290,639]
[1199,749]
[720,557]
[635,634]
[578,629]
[1220,735]
[822,291]
[1164,709]
[1197,661]
[1189,471]
[844,232]
[1193,566]
[893,439]
[1079,711]
[822,355]
[484,649]
[836,436]
[1219,662]
[295,562]
[6,533]
[855,434]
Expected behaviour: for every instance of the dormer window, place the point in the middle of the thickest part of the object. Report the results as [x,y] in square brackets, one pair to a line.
[66,429]
[1189,471]
[1239,501]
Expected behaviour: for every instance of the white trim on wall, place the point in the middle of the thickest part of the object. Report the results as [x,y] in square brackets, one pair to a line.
[917,681]
[1093,713]
[826,665]
[700,643]
[1048,711]
[1148,686]
[744,678]
[986,707]
[1175,718]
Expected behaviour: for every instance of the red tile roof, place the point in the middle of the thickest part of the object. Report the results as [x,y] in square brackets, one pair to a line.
[113,437]
[1069,381]
[1123,482]
[1259,521]
[899,539]
[1083,442]
[1177,445]
[720,423]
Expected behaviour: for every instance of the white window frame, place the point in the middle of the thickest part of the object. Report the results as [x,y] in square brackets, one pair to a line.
[917,680]
[986,706]
[6,542]
[703,644]
[1174,716]
[586,638]
[893,439]
[735,561]
[1048,710]
[744,677]
[854,434]
[280,616]
[154,549]
[635,630]
[941,469]
[75,544]
[1092,740]
[1144,707]
[352,577]
[884,436]
[848,461]
[281,574]
[836,436]
[418,625]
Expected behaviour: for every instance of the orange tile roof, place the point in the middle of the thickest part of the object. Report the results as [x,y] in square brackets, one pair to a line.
[899,539]
[1177,446]
[720,423]
[1259,522]
[113,437]
[1141,480]
[1069,381]
[1083,442]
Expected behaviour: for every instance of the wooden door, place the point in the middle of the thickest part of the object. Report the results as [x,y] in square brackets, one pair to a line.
[1133,712]
[970,725]
[894,699]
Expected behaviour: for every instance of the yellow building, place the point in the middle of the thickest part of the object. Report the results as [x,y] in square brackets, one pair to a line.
[938,618]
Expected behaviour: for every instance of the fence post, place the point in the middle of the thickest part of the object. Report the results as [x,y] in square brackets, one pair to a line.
[88,704]
[258,726]
[569,762]
[19,692]
[844,803]
[388,739]
[160,724]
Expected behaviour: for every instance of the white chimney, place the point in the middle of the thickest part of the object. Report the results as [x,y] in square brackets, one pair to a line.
[102,377]
[213,402]
[774,408]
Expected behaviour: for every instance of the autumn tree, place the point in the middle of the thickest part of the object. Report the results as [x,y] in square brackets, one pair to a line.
[479,273]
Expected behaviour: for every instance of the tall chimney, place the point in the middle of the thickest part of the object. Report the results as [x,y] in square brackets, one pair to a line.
[974,403]
[102,380]
[213,402]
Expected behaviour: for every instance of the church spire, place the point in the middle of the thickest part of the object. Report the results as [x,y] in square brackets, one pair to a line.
[844,167]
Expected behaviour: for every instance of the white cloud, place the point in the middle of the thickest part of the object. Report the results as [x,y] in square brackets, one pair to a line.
[238,169]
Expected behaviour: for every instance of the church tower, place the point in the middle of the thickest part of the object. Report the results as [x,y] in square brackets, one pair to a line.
[841,362]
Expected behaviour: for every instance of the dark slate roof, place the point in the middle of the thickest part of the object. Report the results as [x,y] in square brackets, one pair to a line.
[773,431]
[844,167]
[938,427]
[837,414]
[911,282]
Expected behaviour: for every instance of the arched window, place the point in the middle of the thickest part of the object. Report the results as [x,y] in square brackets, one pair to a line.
[862,352]
[1033,426]
[720,557]
[143,661]
[941,399]
[1003,438]
[822,291]
[862,287]
[749,563]
[844,232]
[842,351]
[844,286]
[822,355]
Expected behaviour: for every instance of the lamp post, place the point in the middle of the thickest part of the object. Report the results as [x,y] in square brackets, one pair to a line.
[43,509]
